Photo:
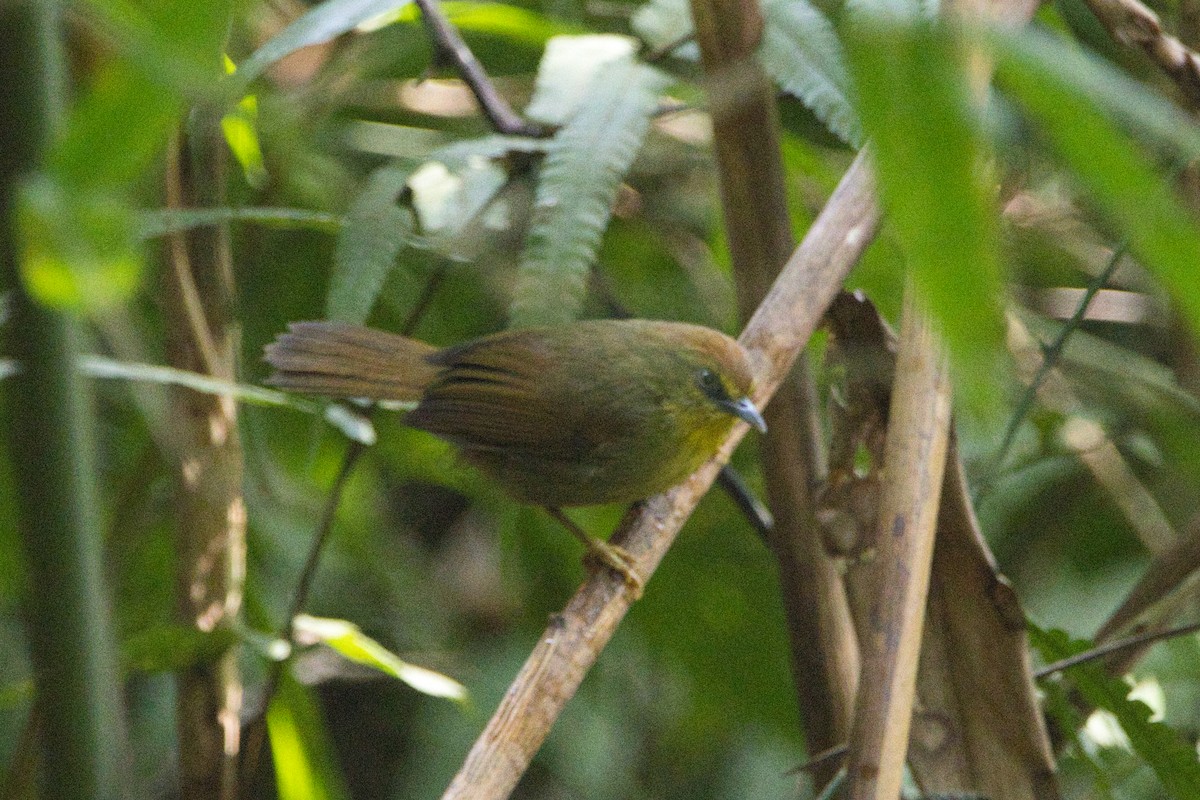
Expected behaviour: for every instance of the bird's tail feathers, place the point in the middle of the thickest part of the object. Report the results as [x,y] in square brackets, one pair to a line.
[341,360]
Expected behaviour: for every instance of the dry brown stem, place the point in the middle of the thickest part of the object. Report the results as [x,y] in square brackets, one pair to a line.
[750,167]
[774,336]
[1134,25]
[914,462]
[211,516]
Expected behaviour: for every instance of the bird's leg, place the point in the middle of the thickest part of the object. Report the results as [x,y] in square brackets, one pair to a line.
[599,550]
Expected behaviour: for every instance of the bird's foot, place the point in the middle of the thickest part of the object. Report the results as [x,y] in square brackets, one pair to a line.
[599,551]
[616,558]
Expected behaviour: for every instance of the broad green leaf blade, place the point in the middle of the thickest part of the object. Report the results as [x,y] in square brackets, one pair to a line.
[375,231]
[348,640]
[173,43]
[301,749]
[801,52]
[1064,63]
[578,183]
[1162,748]
[81,249]
[915,107]
[320,24]
[1116,173]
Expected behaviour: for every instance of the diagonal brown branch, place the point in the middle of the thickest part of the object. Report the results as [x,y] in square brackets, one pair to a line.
[776,333]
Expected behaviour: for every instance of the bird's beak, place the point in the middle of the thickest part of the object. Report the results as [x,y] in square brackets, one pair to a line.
[745,410]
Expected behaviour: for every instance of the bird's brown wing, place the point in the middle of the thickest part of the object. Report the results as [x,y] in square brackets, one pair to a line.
[506,392]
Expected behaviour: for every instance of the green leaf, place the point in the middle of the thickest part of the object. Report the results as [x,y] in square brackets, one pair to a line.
[301,749]
[175,43]
[1063,63]
[348,640]
[101,152]
[1171,758]
[240,127]
[801,52]
[578,183]
[354,426]
[375,231]
[1119,177]
[567,73]
[319,24]
[162,221]
[929,160]
[662,23]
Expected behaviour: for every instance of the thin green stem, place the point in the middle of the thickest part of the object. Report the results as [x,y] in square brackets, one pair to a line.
[1051,356]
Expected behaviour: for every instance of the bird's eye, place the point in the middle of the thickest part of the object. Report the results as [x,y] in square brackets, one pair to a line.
[711,385]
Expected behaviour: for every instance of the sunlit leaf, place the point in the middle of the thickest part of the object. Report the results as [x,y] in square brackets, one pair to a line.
[567,72]
[301,749]
[240,127]
[348,640]
[1163,749]
[81,249]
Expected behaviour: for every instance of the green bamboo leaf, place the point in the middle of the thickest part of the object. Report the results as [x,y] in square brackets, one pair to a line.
[163,221]
[301,748]
[583,170]
[1063,63]
[916,109]
[354,426]
[349,640]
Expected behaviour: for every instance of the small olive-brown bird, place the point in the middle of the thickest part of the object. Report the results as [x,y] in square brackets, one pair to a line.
[602,411]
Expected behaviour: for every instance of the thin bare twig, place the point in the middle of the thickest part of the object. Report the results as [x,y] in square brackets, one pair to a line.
[1108,649]
[570,645]
[449,45]
[1051,355]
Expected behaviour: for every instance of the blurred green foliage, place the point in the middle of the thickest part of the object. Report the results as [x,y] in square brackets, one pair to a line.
[694,697]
